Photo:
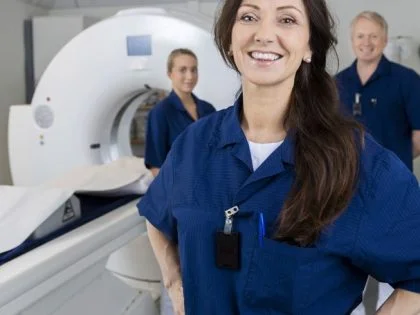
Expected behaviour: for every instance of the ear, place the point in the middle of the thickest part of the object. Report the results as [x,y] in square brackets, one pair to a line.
[230,52]
[308,57]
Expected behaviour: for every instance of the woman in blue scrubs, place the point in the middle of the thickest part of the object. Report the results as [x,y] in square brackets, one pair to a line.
[279,204]
[168,119]
[173,114]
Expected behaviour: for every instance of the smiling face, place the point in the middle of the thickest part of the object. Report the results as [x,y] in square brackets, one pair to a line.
[270,40]
[184,73]
[368,40]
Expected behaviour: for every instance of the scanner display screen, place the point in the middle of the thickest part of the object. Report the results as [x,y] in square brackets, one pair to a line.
[139,45]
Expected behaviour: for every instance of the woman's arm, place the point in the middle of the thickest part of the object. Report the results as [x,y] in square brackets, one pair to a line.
[155,171]
[168,259]
[401,302]
[416,143]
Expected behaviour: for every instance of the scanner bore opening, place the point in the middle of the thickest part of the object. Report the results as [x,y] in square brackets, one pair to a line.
[131,123]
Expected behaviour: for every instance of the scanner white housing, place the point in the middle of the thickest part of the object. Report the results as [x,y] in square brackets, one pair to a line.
[81,114]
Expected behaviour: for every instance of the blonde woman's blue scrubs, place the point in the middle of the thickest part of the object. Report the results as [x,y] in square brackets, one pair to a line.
[165,122]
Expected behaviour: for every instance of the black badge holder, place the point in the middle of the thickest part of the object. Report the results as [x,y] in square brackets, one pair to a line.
[228,243]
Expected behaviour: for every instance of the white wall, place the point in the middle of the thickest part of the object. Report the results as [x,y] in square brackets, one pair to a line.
[401,16]
[206,8]
[12,75]
[51,33]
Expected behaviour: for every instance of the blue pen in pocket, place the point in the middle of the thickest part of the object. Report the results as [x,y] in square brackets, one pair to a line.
[261,228]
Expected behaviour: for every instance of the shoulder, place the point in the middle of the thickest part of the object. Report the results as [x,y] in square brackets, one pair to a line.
[209,107]
[161,108]
[375,159]
[402,71]
[207,128]
[202,133]
[206,106]
[381,172]
[343,79]
[382,182]
[392,204]
[343,74]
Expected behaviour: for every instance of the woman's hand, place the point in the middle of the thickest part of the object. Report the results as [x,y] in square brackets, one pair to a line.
[401,302]
[167,256]
[176,294]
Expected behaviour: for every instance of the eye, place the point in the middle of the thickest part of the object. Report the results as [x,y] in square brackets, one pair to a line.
[287,20]
[247,18]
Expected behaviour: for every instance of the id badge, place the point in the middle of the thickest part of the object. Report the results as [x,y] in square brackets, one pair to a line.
[227,250]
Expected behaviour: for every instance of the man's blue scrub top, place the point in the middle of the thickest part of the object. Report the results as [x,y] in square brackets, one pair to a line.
[390,102]
[209,170]
[166,121]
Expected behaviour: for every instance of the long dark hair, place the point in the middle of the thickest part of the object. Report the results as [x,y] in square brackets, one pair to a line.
[327,144]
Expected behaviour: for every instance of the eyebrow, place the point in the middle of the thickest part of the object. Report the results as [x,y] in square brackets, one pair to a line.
[362,33]
[278,8]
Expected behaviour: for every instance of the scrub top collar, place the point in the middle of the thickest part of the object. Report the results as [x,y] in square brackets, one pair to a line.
[180,106]
[230,134]
[383,69]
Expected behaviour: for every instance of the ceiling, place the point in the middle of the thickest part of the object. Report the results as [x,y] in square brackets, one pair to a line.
[71,4]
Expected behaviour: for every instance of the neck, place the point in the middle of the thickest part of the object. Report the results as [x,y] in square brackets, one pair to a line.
[185,97]
[365,69]
[264,109]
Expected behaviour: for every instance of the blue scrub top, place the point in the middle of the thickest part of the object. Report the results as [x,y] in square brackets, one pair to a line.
[165,122]
[390,102]
[209,170]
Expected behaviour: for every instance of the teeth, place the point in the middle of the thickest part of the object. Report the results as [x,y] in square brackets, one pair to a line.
[264,56]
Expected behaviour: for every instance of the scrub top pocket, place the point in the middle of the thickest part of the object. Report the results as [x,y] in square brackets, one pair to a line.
[273,275]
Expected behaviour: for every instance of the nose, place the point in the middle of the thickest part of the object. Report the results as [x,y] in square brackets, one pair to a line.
[366,40]
[190,75]
[265,33]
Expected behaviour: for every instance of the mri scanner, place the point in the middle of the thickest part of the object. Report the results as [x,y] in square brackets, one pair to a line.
[80,115]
